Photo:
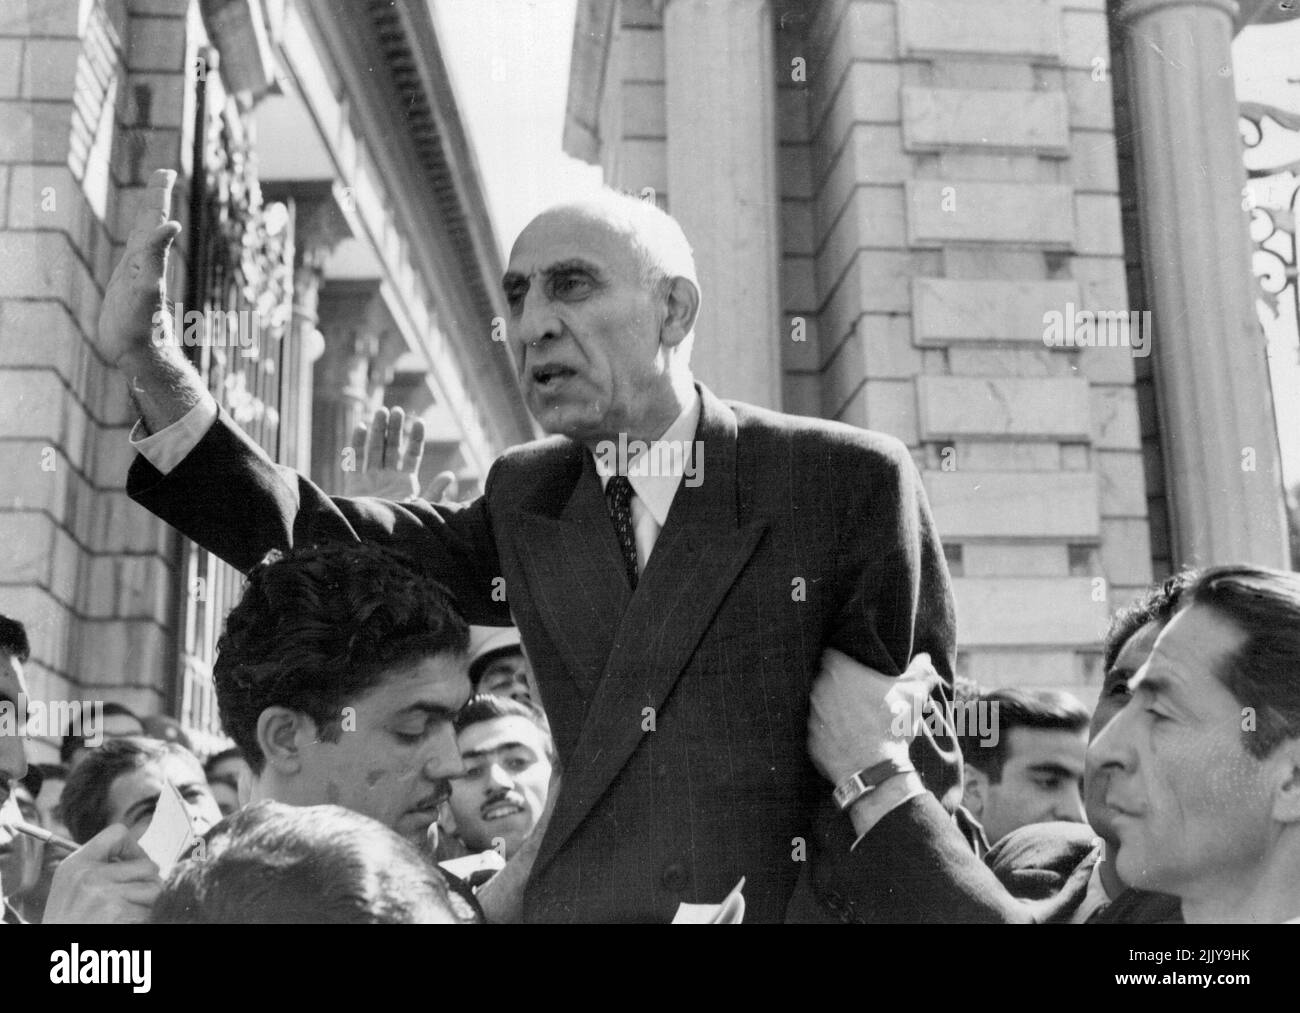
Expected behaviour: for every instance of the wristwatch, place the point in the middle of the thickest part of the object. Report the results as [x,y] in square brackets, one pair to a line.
[866,781]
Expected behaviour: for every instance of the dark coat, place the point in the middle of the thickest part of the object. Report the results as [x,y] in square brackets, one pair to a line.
[803,534]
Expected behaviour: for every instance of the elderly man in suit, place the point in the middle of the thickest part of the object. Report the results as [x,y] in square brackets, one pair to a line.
[675,617]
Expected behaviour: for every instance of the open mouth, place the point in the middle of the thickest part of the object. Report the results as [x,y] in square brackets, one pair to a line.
[551,376]
[500,810]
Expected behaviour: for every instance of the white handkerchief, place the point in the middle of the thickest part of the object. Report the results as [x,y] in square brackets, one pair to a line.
[170,833]
[730,912]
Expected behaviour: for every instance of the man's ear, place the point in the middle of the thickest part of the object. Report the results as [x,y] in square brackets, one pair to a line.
[682,306]
[281,734]
[975,789]
[1286,794]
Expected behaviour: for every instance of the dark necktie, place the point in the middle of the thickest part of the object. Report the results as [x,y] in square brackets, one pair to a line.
[618,497]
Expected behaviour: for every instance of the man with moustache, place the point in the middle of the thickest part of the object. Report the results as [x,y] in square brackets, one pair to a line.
[648,604]
[508,757]
[1203,764]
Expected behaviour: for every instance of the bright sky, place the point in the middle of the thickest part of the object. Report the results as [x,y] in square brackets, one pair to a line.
[509,61]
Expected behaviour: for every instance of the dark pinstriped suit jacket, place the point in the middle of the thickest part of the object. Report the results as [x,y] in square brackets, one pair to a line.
[718,639]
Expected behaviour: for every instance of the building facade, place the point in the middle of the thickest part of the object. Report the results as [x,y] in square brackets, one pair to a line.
[1010,233]
[337,255]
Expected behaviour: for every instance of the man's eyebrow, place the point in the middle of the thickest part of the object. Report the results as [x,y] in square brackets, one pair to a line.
[559,267]
[505,747]
[1155,683]
[1055,769]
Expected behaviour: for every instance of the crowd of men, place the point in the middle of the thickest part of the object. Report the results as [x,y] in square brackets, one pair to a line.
[1188,768]
[719,691]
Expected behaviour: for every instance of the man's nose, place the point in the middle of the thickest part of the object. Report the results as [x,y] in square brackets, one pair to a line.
[500,777]
[1112,749]
[536,322]
[13,758]
[1070,806]
[444,755]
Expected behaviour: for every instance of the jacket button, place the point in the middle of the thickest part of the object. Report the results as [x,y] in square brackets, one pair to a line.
[674,878]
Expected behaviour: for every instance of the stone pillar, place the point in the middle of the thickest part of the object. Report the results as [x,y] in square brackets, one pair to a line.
[1215,404]
[722,187]
[317,229]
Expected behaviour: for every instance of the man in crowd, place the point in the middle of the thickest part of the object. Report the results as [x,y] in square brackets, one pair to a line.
[118,722]
[497,664]
[274,864]
[508,757]
[14,651]
[1034,860]
[1203,765]
[338,677]
[1030,769]
[21,856]
[649,598]
[122,781]
[224,771]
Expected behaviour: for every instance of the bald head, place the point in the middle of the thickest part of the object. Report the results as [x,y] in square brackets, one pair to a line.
[651,234]
[603,302]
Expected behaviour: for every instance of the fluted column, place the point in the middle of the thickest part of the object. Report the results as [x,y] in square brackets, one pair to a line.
[1215,404]
[722,186]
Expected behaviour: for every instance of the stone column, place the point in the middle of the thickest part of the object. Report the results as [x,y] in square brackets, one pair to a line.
[722,186]
[1215,404]
[317,231]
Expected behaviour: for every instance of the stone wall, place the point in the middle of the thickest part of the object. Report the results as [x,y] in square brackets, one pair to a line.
[86,108]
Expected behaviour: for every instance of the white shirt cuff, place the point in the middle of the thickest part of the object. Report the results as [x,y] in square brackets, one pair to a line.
[166,448]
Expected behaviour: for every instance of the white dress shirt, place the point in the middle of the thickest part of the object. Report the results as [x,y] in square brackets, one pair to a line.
[652,495]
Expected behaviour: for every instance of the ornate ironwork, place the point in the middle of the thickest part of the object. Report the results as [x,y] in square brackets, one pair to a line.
[1273,204]
[241,277]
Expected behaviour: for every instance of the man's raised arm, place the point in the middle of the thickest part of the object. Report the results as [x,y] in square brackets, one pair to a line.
[202,475]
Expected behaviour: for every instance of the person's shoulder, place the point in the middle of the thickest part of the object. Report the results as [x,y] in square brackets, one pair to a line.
[1034,860]
[536,464]
[806,434]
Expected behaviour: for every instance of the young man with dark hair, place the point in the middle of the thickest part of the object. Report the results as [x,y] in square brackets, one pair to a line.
[1030,769]
[1203,765]
[121,782]
[508,756]
[119,722]
[338,676]
[304,865]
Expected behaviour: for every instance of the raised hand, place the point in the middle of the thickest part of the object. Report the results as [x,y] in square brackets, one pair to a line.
[134,308]
[388,456]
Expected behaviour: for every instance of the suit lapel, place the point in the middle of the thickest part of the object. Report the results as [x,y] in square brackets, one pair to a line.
[574,569]
[699,554]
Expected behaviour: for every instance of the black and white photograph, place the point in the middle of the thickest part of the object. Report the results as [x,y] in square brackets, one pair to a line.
[651,461]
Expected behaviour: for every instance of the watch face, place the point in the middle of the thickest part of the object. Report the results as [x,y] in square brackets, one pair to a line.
[848,792]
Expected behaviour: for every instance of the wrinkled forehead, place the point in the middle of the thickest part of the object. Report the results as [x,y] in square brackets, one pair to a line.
[573,232]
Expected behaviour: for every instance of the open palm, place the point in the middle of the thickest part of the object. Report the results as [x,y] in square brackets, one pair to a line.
[136,293]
